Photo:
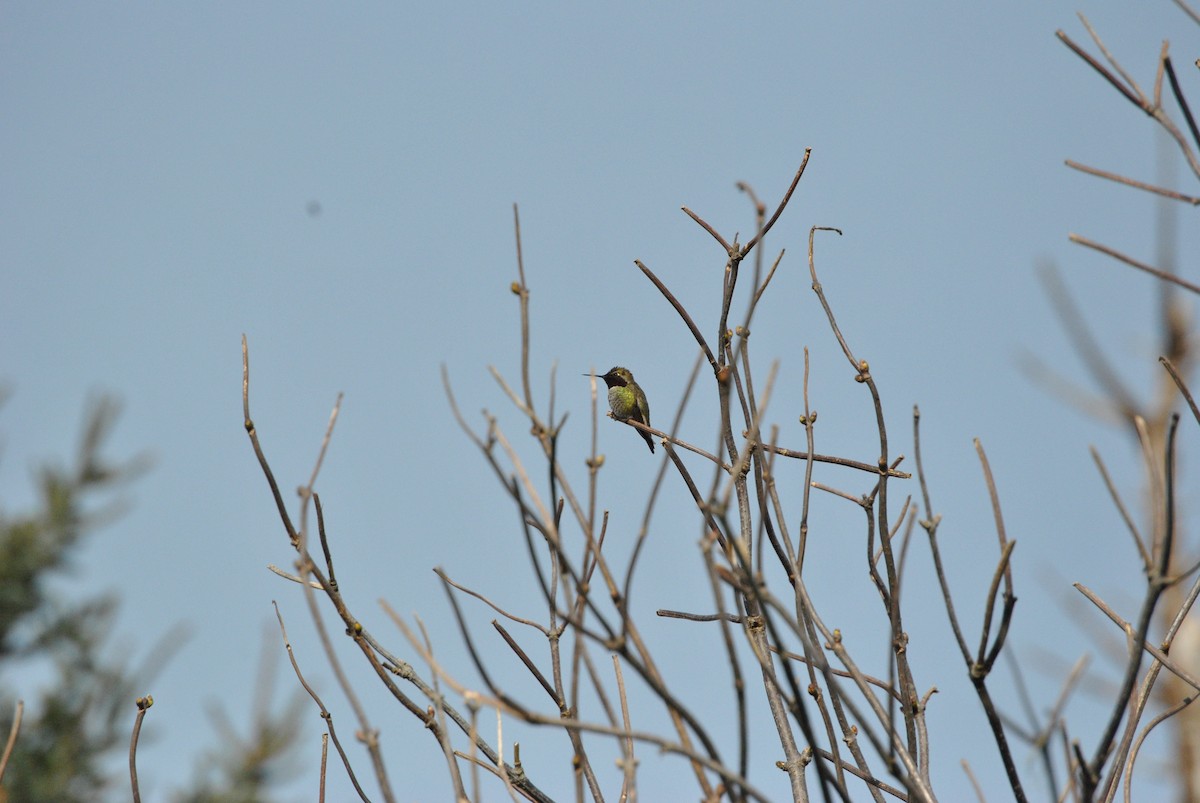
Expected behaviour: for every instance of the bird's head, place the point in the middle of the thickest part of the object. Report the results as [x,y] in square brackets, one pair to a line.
[618,377]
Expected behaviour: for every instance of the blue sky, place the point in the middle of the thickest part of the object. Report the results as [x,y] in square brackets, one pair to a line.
[158,166]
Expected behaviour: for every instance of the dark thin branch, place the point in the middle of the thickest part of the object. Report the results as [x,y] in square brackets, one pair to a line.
[787,196]
[700,617]
[1155,585]
[708,228]
[977,669]
[325,715]
[531,666]
[248,423]
[1100,68]
[930,524]
[687,319]
[1181,100]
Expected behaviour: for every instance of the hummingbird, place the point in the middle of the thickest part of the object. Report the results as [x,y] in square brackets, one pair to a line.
[627,401]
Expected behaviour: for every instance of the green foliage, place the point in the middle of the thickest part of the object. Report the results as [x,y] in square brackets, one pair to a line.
[73,735]
[80,716]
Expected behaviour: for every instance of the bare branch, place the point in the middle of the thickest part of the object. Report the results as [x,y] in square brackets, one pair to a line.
[1129,182]
[143,705]
[687,319]
[1183,388]
[18,713]
[325,715]
[1128,260]
[787,196]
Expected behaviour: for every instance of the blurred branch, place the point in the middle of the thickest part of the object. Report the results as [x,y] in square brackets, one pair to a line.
[18,712]
[1188,10]
[1087,347]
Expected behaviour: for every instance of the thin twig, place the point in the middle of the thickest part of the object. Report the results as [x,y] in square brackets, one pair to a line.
[984,661]
[974,781]
[248,423]
[930,524]
[522,291]
[1166,276]
[325,715]
[1158,655]
[1090,773]
[712,763]
[997,515]
[439,714]
[628,788]
[1151,107]
[868,779]
[979,667]
[700,617]
[1188,10]
[787,196]
[1151,725]
[1179,98]
[1143,552]
[1163,191]
[324,766]
[837,461]
[440,572]
[324,540]
[289,576]
[143,705]
[531,666]
[1098,67]
[474,701]
[660,477]
[1183,388]
[1132,84]
[687,319]
[18,713]
[704,224]
[1085,343]
[333,416]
